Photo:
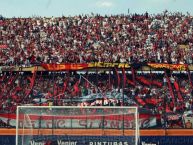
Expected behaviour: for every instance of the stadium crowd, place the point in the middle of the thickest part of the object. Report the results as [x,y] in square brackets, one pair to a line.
[148,91]
[132,38]
[161,38]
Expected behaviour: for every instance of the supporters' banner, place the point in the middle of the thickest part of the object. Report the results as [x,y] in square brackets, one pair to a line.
[3,46]
[81,121]
[71,66]
[109,65]
[178,67]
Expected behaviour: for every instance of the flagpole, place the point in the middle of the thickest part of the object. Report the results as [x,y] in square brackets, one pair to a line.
[123,102]
[53,101]
[97,78]
[123,85]
[109,79]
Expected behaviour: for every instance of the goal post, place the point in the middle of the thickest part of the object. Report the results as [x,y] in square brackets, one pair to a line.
[73,125]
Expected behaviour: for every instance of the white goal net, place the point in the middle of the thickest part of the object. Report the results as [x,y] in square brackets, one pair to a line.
[72,125]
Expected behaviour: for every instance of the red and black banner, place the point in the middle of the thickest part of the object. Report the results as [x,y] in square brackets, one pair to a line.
[177,67]
[69,66]
[80,66]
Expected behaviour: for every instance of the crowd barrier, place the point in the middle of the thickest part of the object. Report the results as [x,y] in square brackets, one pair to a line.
[144,132]
[147,137]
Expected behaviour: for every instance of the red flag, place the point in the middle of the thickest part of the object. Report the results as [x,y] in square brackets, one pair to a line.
[126,80]
[133,75]
[65,85]
[86,83]
[144,81]
[130,82]
[55,89]
[118,78]
[190,79]
[76,88]
[153,101]
[176,85]
[32,82]
[140,101]
[157,83]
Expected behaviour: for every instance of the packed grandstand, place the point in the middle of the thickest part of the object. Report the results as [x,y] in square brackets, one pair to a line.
[91,60]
